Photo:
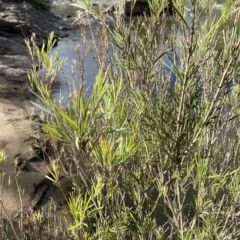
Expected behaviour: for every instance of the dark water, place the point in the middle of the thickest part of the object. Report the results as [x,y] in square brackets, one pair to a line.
[73,49]
[68,48]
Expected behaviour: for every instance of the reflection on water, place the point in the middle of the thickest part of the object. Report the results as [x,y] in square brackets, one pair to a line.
[73,50]
[69,49]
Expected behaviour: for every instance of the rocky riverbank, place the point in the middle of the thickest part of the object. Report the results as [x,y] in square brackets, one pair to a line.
[23,186]
[20,21]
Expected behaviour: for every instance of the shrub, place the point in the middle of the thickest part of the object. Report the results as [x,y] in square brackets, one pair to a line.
[153,152]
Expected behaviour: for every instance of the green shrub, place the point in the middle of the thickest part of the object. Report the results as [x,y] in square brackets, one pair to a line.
[153,152]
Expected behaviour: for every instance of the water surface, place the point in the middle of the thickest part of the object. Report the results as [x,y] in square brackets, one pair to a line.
[67,49]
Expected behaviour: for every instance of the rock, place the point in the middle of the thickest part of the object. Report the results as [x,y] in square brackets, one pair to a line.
[138,8]
[15,61]
[23,19]
[12,44]
[13,73]
[14,57]
[17,22]
[142,6]
[142,1]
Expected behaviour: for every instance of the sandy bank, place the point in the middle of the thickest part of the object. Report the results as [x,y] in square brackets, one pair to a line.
[16,138]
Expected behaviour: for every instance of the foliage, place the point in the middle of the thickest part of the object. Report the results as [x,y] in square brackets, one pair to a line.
[153,151]
[3,155]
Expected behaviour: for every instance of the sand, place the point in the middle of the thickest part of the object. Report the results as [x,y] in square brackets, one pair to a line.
[17,187]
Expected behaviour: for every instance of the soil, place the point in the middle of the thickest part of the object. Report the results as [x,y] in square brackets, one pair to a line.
[15,138]
[23,185]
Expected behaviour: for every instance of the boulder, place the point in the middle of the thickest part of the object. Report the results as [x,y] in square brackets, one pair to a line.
[143,1]
[23,19]
[141,7]
[17,22]
[136,9]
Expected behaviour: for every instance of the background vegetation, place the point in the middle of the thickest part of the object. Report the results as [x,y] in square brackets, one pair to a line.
[153,151]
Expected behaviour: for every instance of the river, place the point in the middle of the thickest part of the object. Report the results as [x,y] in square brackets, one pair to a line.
[66,49]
